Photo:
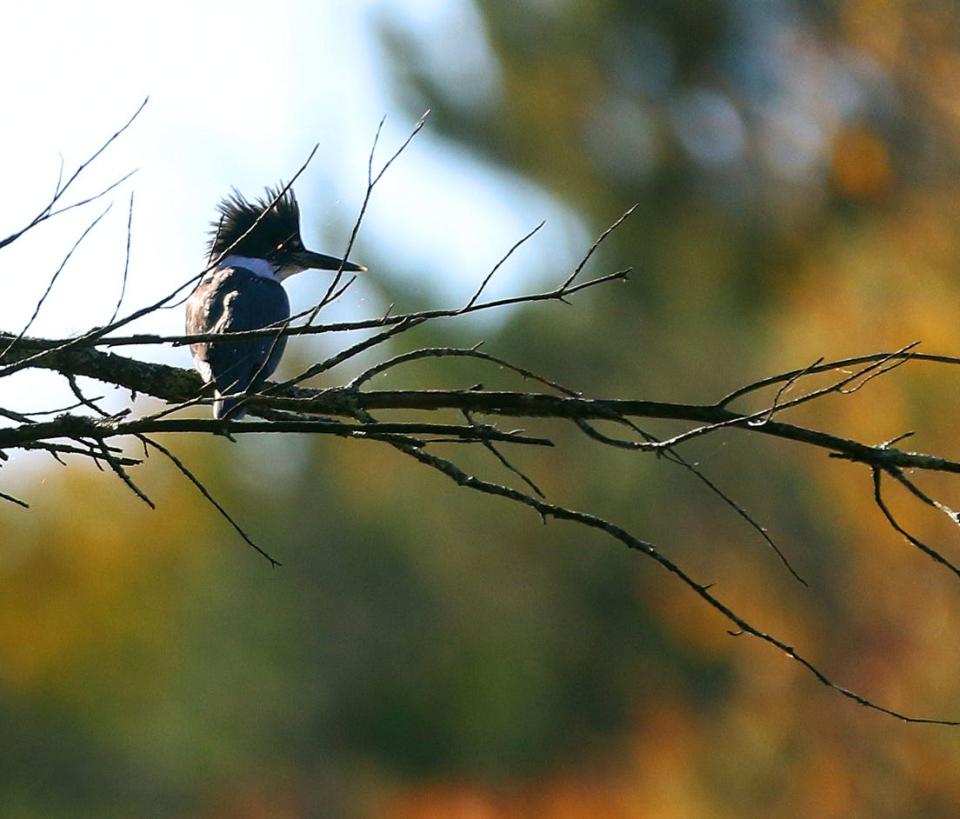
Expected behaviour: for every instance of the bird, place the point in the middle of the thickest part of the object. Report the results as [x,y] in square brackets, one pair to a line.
[261,247]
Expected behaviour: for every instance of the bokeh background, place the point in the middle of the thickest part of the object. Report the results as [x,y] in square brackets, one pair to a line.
[425,652]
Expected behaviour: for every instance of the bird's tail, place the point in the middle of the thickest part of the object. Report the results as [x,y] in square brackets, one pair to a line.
[231,409]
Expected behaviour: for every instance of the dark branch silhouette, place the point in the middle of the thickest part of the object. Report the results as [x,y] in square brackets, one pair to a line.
[85,430]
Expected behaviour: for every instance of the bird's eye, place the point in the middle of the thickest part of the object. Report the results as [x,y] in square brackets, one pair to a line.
[280,246]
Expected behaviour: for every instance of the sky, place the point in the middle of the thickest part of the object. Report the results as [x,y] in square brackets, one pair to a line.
[239,92]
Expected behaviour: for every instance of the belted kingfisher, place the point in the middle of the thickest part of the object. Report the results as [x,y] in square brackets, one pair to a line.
[243,292]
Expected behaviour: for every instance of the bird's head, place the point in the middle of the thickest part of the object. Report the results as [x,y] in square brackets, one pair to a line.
[259,230]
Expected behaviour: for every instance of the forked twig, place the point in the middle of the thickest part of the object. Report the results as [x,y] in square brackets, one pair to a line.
[929,551]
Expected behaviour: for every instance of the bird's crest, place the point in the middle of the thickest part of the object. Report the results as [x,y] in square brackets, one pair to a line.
[239,231]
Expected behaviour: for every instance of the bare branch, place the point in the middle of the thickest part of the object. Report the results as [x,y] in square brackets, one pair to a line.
[503,460]
[58,449]
[371,184]
[782,391]
[48,211]
[676,458]
[929,551]
[556,294]
[767,414]
[53,280]
[188,474]
[121,473]
[12,499]
[593,522]
[97,333]
[450,352]
[915,490]
[79,426]
[599,241]
[126,262]
[839,364]
[347,354]
[346,410]
[498,265]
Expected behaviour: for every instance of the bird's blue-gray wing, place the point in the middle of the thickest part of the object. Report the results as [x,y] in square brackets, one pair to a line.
[234,300]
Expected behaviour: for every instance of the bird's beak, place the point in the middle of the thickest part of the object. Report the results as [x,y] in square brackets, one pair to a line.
[309,260]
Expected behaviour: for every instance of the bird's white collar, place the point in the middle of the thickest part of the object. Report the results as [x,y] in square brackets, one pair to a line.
[260,267]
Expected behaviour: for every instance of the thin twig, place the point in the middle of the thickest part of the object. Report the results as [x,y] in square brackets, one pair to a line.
[371,184]
[345,355]
[77,426]
[57,449]
[593,248]
[338,327]
[483,285]
[91,337]
[836,387]
[121,473]
[126,262]
[929,551]
[189,475]
[450,352]
[918,493]
[503,460]
[782,391]
[53,280]
[12,499]
[829,366]
[48,210]
[676,458]
[592,521]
